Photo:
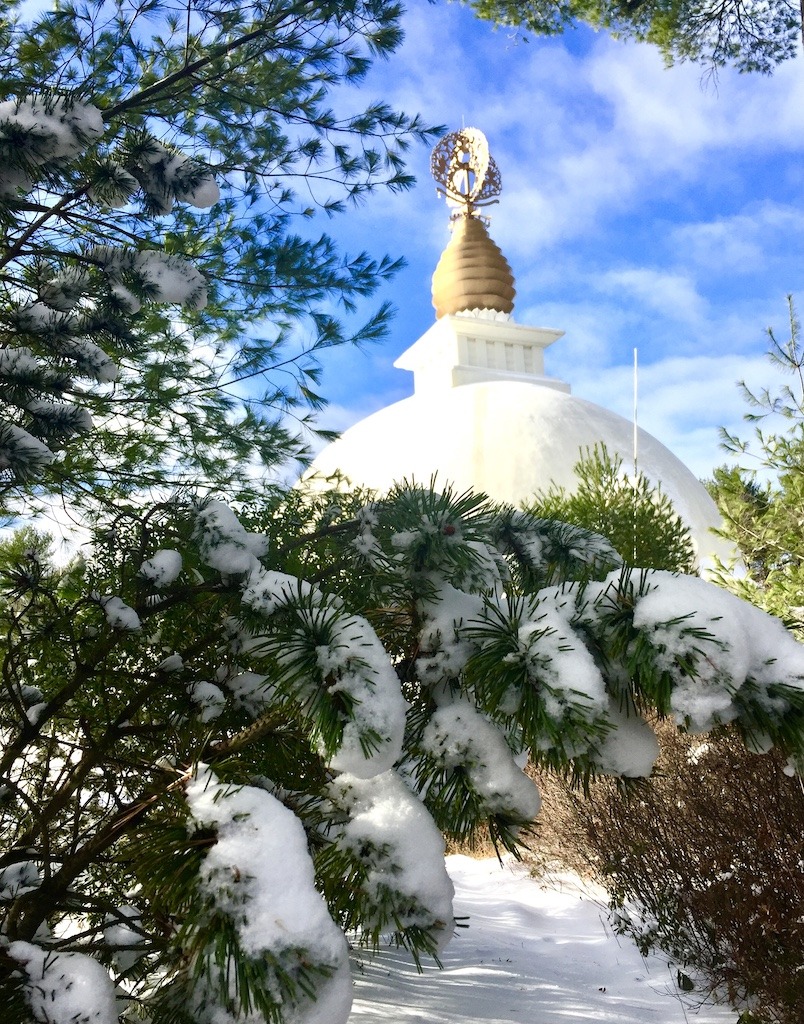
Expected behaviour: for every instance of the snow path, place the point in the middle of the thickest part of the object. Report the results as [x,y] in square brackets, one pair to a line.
[532,955]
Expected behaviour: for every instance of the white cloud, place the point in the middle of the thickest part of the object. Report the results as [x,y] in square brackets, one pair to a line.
[636,126]
[592,332]
[674,113]
[669,294]
[683,402]
[739,243]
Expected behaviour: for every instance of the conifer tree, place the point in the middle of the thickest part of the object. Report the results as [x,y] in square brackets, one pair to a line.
[760,495]
[160,169]
[636,516]
[752,37]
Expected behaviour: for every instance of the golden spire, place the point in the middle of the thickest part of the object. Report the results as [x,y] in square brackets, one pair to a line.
[472,272]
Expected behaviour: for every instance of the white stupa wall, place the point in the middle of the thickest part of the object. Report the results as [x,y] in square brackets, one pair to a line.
[484,415]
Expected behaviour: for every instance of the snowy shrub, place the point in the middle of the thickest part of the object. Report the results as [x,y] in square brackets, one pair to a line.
[705,859]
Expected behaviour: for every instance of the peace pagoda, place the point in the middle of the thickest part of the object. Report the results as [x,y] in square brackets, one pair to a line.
[484,415]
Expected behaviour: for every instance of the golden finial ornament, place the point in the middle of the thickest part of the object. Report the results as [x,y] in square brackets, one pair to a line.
[472,273]
[465,171]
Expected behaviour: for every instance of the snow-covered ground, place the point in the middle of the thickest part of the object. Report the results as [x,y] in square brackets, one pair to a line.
[535,953]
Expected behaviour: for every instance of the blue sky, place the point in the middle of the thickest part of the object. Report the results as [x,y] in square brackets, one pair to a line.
[641,206]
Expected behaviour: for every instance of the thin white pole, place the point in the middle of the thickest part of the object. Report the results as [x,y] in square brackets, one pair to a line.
[636,452]
[636,395]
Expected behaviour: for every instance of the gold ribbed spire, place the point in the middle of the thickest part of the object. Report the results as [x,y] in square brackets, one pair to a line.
[472,272]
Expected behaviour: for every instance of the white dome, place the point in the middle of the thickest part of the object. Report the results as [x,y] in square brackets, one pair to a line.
[509,439]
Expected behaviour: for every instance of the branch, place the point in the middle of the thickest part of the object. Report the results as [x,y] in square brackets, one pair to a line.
[31,909]
[266,723]
[167,83]
[52,211]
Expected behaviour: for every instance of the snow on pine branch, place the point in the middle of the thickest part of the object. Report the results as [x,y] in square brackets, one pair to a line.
[747,666]
[329,661]
[52,129]
[65,988]
[341,746]
[159,276]
[162,568]
[462,742]
[21,453]
[166,175]
[259,875]
[569,671]
[223,542]
[394,850]
[335,667]
[67,292]
[43,130]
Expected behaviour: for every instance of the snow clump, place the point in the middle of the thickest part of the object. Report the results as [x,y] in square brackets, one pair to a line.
[260,875]
[173,663]
[20,451]
[91,359]
[162,568]
[444,647]
[251,691]
[390,832]
[64,289]
[65,988]
[630,749]
[169,278]
[557,660]
[209,698]
[121,936]
[119,615]
[735,647]
[224,543]
[162,276]
[44,129]
[167,175]
[18,878]
[461,738]
[18,364]
[62,332]
[353,661]
[356,663]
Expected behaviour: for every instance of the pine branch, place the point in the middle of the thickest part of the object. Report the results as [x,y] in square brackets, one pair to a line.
[168,83]
[32,908]
[267,723]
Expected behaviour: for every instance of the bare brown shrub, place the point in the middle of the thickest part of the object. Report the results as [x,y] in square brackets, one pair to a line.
[705,860]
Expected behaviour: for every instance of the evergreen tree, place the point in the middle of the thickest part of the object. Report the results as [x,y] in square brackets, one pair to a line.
[761,498]
[636,516]
[226,748]
[162,284]
[230,740]
[753,37]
